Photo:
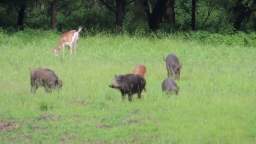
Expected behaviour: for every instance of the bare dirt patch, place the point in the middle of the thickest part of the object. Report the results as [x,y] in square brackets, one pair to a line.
[131,121]
[67,138]
[103,126]
[48,117]
[79,102]
[7,126]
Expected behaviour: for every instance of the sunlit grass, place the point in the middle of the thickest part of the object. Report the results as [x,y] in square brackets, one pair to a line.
[216,103]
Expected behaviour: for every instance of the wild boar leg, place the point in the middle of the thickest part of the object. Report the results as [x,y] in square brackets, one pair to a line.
[178,74]
[33,89]
[48,89]
[123,95]
[177,90]
[139,95]
[170,71]
[130,97]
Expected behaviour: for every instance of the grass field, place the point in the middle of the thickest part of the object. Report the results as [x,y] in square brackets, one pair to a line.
[216,103]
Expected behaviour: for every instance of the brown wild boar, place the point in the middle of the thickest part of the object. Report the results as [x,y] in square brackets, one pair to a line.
[173,66]
[43,77]
[140,70]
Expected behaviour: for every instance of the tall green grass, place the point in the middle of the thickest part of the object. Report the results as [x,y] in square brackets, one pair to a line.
[216,103]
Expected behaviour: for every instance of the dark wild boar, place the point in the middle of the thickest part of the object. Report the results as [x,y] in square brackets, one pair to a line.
[140,70]
[169,86]
[173,66]
[43,77]
[129,84]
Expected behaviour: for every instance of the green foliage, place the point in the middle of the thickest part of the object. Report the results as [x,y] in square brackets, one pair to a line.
[211,15]
[235,39]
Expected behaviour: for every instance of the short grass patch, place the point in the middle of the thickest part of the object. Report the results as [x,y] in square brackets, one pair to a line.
[216,103]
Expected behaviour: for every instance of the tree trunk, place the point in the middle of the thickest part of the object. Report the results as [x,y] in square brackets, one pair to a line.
[53,12]
[172,5]
[240,13]
[120,12]
[170,12]
[140,19]
[193,15]
[155,18]
[163,10]
[21,16]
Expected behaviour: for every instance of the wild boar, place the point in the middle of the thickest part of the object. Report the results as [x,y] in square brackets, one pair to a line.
[173,66]
[140,70]
[129,84]
[43,77]
[169,86]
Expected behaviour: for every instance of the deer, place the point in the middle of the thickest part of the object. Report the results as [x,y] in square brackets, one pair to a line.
[68,39]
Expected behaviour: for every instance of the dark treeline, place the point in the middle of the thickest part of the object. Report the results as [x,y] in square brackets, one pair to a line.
[130,15]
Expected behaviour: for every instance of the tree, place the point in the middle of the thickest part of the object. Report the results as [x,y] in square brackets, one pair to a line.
[53,13]
[120,12]
[193,15]
[169,15]
[162,8]
[21,14]
[241,12]
[119,9]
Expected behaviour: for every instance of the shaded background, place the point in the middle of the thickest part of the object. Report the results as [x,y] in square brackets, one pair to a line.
[133,16]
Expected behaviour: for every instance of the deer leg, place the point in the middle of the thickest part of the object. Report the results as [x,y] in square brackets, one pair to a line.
[63,50]
[71,49]
[56,52]
[74,46]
